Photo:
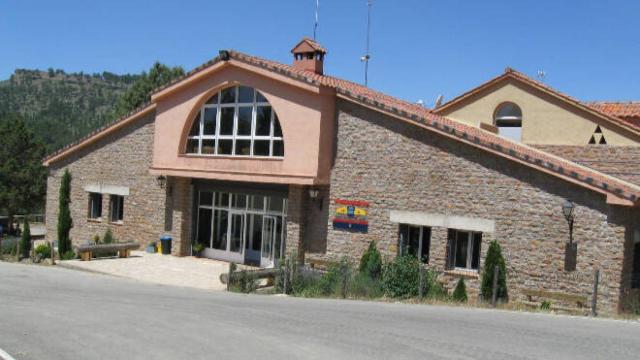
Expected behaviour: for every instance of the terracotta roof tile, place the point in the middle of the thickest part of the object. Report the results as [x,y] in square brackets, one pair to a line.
[626,111]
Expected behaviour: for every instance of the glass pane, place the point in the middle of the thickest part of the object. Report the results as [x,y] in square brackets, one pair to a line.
[225,147]
[237,223]
[257,203]
[261,147]
[243,147]
[462,244]
[195,128]
[263,120]
[256,240]
[426,244]
[228,95]
[226,121]
[475,260]
[277,130]
[209,121]
[220,226]
[260,97]
[239,201]
[206,198]
[222,199]
[403,235]
[277,246]
[278,148]
[275,204]
[244,120]
[192,146]
[509,110]
[213,99]
[204,227]
[245,94]
[268,229]
[413,243]
[208,146]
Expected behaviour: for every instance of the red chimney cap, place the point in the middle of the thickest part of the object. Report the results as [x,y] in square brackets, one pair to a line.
[307,45]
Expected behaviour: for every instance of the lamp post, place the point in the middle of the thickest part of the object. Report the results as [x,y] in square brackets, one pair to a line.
[313,194]
[567,210]
[571,249]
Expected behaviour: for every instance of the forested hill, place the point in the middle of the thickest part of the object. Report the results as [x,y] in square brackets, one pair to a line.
[60,107]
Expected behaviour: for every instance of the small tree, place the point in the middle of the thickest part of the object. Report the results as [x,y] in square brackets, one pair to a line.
[371,262]
[25,241]
[108,237]
[64,214]
[460,292]
[494,258]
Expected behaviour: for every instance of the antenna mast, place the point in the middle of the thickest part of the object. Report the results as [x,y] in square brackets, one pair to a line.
[367,56]
[315,25]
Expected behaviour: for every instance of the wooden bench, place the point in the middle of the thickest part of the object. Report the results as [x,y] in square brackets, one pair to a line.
[124,249]
[534,298]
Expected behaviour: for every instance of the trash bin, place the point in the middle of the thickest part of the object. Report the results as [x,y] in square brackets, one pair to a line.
[165,241]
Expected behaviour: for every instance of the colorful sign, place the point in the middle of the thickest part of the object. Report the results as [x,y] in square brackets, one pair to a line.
[351,215]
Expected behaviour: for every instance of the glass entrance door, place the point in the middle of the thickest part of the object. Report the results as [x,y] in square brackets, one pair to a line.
[268,240]
[237,236]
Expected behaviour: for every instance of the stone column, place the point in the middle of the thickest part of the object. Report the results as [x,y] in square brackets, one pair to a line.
[298,206]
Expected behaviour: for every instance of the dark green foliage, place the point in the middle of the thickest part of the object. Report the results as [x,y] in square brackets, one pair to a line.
[460,292]
[433,288]
[364,286]
[245,283]
[61,107]
[545,305]
[25,240]
[108,237]
[69,255]
[43,251]
[401,277]
[64,214]
[9,245]
[140,92]
[371,262]
[22,176]
[494,257]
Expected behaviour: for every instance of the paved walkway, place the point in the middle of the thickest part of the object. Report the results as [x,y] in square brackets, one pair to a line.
[159,269]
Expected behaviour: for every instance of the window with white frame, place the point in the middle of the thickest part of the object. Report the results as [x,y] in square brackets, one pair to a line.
[236,121]
[463,249]
[415,240]
[116,205]
[508,120]
[95,205]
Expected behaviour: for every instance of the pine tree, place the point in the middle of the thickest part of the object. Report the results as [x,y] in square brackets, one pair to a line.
[494,257]
[64,214]
[371,262]
[25,241]
[460,292]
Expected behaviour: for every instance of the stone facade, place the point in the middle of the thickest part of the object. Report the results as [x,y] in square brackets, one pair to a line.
[398,166]
[619,161]
[121,159]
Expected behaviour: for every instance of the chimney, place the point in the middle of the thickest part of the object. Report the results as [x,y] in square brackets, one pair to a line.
[308,55]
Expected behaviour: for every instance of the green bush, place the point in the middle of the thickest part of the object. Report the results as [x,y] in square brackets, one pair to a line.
[43,250]
[245,283]
[69,255]
[363,286]
[25,240]
[9,245]
[545,305]
[371,262]
[433,288]
[460,292]
[96,239]
[401,277]
[494,257]
[108,237]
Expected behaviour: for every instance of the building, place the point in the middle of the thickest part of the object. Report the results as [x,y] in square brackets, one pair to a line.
[255,159]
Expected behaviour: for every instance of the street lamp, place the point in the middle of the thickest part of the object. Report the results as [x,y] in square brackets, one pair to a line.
[162,181]
[313,194]
[567,210]
[571,249]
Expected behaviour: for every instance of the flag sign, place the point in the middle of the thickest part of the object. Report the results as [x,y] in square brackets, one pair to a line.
[351,215]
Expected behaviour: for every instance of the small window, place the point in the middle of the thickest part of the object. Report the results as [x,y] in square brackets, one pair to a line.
[116,203]
[463,249]
[415,241]
[95,206]
[635,274]
[508,120]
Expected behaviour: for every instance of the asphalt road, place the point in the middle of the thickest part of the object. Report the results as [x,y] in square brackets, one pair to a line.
[54,313]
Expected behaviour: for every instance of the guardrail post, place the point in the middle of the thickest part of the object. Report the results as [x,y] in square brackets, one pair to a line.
[494,292]
[594,299]
[421,283]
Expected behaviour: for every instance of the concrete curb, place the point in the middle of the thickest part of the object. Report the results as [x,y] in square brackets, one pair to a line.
[5,356]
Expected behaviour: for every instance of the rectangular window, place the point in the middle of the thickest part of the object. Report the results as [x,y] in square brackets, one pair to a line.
[95,206]
[415,240]
[116,204]
[463,249]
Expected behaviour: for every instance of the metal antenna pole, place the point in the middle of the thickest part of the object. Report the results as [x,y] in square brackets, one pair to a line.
[315,25]
[367,56]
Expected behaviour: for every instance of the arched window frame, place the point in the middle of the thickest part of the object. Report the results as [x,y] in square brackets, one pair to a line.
[513,121]
[217,143]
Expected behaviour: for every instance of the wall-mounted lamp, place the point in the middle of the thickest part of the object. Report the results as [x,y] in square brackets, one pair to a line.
[314,194]
[567,210]
[571,249]
[162,181]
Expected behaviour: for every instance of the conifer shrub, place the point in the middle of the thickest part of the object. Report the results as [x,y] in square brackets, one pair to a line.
[494,257]
[25,240]
[371,262]
[64,214]
[460,292]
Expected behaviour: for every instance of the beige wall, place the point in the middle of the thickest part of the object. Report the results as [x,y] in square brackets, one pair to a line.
[306,116]
[545,120]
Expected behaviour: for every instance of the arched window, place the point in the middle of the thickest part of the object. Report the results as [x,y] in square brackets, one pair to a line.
[508,120]
[236,121]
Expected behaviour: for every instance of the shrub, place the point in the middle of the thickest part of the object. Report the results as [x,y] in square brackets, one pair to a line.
[401,277]
[25,240]
[64,214]
[371,262]
[433,288]
[494,257]
[69,255]
[363,286]
[43,251]
[545,305]
[96,239]
[108,237]
[246,282]
[460,292]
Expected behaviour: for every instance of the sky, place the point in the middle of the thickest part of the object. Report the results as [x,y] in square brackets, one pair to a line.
[589,49]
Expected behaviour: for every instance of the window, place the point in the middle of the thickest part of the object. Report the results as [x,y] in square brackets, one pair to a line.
[116,204]
[463,249]
[236,121]
[95,206]
[635,270]
[508,120]
[415,241]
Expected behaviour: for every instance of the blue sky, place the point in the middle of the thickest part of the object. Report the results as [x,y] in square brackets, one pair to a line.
[590,49]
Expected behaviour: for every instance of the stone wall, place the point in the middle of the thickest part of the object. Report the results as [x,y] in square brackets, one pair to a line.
[120,159]
[398,166]
[620,161]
